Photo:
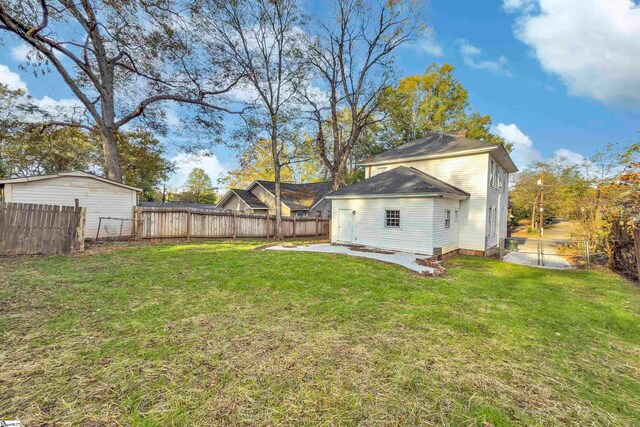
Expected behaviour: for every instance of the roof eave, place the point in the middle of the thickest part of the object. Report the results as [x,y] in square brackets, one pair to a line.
[431,156]
[399,196]
[63,174]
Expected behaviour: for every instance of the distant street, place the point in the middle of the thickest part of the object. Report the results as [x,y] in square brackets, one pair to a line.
[554,235]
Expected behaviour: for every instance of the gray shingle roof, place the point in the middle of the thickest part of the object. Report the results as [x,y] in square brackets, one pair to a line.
[433,144]
[250,199]
[299,196]
[398,181]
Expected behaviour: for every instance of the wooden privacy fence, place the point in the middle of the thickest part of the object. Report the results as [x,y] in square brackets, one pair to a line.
[180,223]
[29,229]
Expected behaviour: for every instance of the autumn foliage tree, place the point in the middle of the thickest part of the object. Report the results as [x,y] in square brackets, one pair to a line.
[434,101]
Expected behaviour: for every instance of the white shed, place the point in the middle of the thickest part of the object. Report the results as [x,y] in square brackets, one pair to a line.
[101,196]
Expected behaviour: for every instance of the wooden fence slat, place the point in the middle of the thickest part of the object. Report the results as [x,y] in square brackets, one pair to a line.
[167,223]
[28,228]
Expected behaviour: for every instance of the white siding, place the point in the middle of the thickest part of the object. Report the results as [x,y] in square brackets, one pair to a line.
[416,222]
[445,238]
[469,173]
[498,197]
[100,198]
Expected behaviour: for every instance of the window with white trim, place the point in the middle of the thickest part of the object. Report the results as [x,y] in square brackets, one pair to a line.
[447,219]
[392,218]
[492,166]
[493,214]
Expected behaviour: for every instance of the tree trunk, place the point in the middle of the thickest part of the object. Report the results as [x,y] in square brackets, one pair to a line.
[111,156]
[278,235]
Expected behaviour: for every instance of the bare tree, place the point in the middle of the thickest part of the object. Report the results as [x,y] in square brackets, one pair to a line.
[121,59]
[352,58]
[263,38]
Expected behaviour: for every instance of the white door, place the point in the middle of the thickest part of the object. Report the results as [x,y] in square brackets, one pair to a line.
[345,225]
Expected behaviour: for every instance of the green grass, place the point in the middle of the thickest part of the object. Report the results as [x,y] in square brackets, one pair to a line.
[218,334]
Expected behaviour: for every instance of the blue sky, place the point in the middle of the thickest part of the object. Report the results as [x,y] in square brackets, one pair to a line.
[558,77]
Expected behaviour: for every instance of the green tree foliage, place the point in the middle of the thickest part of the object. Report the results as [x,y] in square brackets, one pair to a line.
[434,101]
[257,163]
[567,190]
[143,162]
[199,188]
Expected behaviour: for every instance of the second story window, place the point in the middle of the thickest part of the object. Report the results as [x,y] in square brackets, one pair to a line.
[492,166]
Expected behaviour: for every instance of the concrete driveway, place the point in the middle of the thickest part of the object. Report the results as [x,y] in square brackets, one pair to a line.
[404,259]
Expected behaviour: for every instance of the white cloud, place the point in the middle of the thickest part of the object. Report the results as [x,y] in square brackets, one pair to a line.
[568,157]
[11,79]
[56,107]
[21,52]
[185,163]
[518,5]
[472,57]
[429,45]
[592,45]
[60,107]
[523,153]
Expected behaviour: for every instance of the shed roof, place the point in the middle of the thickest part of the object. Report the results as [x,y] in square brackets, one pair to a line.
[443,145]
[397,182]
[81,174]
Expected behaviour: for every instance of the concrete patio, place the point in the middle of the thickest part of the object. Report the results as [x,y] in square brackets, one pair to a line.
[404,259]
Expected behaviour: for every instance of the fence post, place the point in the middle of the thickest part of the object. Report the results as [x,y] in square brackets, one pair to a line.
[137,219]
[317,222]
[189,224]
[79,233]
[266,228]
[636,244]
[294,226]
[235,224]
[98,232]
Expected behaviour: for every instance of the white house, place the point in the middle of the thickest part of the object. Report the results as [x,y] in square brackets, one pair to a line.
[101,196]
[439,194]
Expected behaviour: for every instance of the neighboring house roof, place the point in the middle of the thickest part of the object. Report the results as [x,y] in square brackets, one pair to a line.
[442,145]
[297,197]
[400,181]
[177,205]
[66,174]
[246,196]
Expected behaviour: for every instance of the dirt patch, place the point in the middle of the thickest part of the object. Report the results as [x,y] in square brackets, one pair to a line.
[370,250]
[438,266]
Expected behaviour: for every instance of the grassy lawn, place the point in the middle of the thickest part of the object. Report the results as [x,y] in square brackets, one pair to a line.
[218,334]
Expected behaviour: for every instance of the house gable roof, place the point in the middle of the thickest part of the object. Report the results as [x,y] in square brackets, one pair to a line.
[442,145]
[297,196]
[400,181]
[246,196]
[81,174]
